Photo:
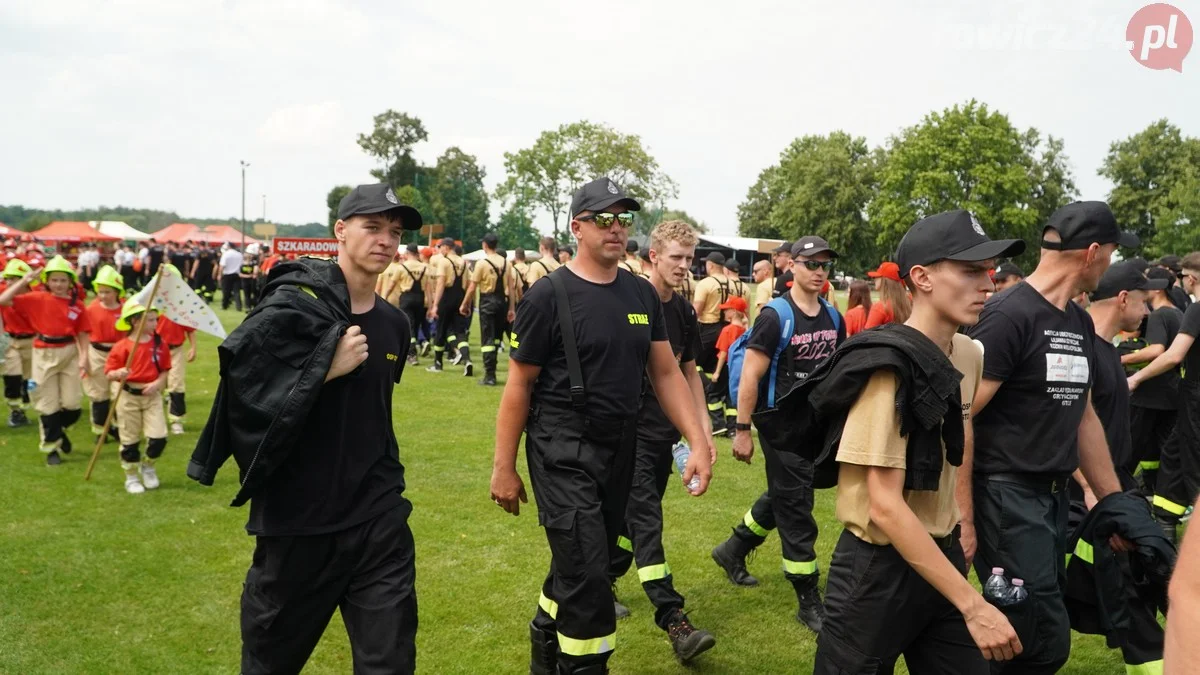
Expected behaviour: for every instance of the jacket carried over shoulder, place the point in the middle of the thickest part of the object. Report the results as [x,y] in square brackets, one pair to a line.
[929,400]
[272,369]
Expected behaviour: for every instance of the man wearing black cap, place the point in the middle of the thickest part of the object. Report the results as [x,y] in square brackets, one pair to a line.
[783,269]
[1178,478]
[712,291]
[780,354]
[1007,275]
[632,263]
[1119,304]
[308,416]
[897,581]
[450,289]
[1155,405]
[497,303]
[580,342]
[1035,425]
[408,282]
[1179,296]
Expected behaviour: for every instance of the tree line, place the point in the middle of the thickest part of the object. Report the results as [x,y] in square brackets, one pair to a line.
[863,199]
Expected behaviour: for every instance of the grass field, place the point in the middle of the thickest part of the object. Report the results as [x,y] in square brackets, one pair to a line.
[93,580]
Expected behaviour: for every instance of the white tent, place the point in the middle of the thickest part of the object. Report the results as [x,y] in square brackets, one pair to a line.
[476,256]
[741,243]
[116,228]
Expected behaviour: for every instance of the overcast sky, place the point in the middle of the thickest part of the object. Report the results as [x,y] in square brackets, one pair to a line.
[151,103]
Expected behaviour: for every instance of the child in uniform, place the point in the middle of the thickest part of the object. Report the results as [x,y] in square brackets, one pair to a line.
[103,313]
[60,350]
[18,357]
[174,335]
[140,408]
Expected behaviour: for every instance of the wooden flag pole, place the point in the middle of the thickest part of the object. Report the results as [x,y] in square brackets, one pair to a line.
[112,408]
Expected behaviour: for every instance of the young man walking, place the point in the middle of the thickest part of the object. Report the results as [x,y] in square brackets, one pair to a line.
[711,292]
[789,351]
[545,264]
[497,303]
[897,582]
[672,245]
[450,288]
[305,406]
[581,342]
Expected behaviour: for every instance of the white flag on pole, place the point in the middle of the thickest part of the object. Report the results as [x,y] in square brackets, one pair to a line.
[179,303]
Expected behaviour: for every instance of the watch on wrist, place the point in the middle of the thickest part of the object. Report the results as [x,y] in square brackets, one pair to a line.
[738,426]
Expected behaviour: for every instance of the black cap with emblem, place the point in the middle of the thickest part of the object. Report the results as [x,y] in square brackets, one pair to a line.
[378,198]
[953,235]
[1125,276]
[599,195]
[812,245]
[1081,224]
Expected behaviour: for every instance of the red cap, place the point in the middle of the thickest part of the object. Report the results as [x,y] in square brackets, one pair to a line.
[887,270]
[735,302]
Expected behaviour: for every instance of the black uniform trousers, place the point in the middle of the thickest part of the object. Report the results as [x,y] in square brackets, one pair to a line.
[295,583]
[581,470]
[231,286]
[1150,429]
[706,361]
[1179,471]
[205,285]
[641,539]
[878,607]
[249,292]
[452,327]
[493,315]
[412,304]
[1021,523]
[787,505]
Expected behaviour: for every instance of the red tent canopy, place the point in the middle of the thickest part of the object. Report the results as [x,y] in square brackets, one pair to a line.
[72,232]
[178,233]
[225,233]
[6,231]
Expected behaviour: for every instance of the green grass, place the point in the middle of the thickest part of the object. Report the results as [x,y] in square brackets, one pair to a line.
[93,580]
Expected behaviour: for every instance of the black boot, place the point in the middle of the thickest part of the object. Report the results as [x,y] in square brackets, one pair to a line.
[621,610]
[730,555]
[17,418]
[543,658]
[589,669]
[812,609]
[687,640]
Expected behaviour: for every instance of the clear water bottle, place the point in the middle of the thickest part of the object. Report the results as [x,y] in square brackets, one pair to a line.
[996,589]
[30,385]
[681,452]
[1017,594]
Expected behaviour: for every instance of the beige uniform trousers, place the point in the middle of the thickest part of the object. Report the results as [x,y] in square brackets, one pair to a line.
[56,372]
[140,416]
[177,376]
[96,385]
[18,362]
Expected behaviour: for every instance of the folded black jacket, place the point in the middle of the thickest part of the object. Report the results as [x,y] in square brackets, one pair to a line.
[1095,594]
[928,399]
[272,369]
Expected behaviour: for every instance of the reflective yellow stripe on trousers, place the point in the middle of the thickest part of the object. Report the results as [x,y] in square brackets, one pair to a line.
[754,526]
[793,567]
[548,606]
[654,572]
[1169,506]
[575,647]
[1147,668]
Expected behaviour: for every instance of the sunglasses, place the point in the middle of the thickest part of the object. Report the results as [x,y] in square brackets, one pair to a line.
[606,220]
[814,265]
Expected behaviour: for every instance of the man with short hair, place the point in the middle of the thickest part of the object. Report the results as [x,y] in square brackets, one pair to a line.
[711,292]
[545,264]
[309,379]
[1035,425]
[632,263]
[1178,480]
[783,269]
[581,341]
[1182,297]
[565,253]
[231,287]
[520,268]
[497,303]
[404,287]
[762,277]
[897,581]
[449,281]
[1007,275]
[815,331]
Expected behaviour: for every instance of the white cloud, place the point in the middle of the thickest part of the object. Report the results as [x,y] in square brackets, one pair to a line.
[302,125]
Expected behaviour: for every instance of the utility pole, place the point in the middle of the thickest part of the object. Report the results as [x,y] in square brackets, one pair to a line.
[244,164]
[264,208]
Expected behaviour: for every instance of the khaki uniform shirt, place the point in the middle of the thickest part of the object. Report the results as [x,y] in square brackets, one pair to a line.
[713,292]
[448,267]
[633,265]
[539,269]
[486,276]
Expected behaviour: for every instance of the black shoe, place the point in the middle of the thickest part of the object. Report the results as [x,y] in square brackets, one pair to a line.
[730,555]
[621,610]
[543,658]
[812,610]
[730,433]
[468,370]
[412,359]
[435,368]
[17,418]
[488,381]
[53,459]
[66,445]
[687,640]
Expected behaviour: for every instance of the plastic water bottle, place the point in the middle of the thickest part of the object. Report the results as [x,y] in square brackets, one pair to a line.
[997,589]
[681,452]
[30,385]
[1017,594]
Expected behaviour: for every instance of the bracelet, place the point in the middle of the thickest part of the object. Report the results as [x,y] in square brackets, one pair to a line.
[738,426]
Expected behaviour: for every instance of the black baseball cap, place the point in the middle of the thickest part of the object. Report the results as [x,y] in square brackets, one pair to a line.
[1140,263]
[491,240]
[1081,224]
[1008,269]
[785,247]
[1171,262]
[732,265]
[599,195]
[378,198]
[631,246]
[715,257]
[1124,276]
[1155,273]
[413,249]
[812,245]
[953,235]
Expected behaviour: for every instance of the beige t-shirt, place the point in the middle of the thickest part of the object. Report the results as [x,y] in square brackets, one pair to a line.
[633,265]
[448,267]
[872,438]
[762,292]
[485,275]
[540,268]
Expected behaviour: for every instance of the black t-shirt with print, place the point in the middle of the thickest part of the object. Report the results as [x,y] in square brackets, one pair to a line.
[206,260]
[155,259]
[1162,392]
[683,332]
[1110,398]
[1191,326]
[348,470]
[614,326]
[1043,357]
[813,339]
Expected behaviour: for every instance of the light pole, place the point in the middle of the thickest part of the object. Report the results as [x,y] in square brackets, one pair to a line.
[244,164]
[264,208]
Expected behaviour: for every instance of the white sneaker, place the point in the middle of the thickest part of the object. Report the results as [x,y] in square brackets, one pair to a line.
[133,486]
[149,476]
[177,428]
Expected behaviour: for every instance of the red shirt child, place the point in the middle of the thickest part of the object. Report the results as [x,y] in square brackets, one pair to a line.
[735,312]
[151,359]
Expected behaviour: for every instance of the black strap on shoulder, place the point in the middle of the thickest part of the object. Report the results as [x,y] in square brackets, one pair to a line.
[567,328]
[499,288]
[724,290]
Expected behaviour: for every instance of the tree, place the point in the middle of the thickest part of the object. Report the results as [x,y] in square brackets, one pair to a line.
[515,228]
[754,214]
[332,200]
[968,157]
[562,159]
[650,216]
[1153,174]
[457,197]
[391,142]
